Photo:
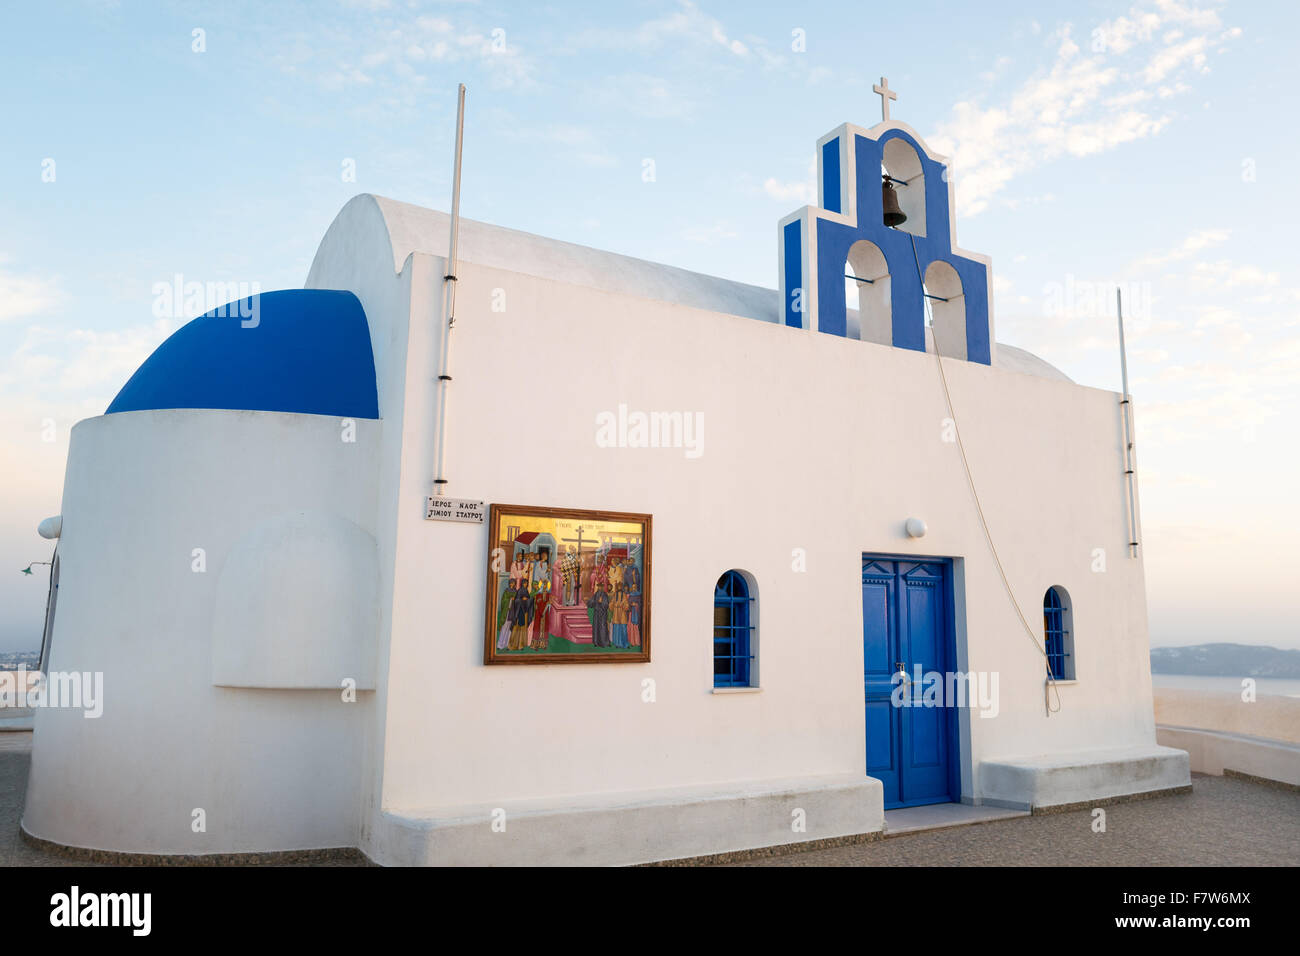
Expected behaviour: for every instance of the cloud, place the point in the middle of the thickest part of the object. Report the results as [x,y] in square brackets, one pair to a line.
[1200,240]
[689,29]
[1170,58]
[24,296]
[1228,274]
[1090,99]
[714,233]
[397,56]
[802,191]
[644,95]
[687,23]
[594,160]
[1019,201]
[580,144]
[53,365]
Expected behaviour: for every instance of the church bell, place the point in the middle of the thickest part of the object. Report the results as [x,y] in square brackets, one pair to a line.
[894,215]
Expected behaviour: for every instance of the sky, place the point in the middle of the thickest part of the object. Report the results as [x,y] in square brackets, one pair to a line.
[1146,145]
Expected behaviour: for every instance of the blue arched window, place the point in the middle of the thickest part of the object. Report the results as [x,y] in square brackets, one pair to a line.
[732,631]
[1056,633]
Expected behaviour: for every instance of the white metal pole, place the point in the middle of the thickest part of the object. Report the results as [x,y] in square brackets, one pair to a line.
[455,182]
[449,303]
[1126,405]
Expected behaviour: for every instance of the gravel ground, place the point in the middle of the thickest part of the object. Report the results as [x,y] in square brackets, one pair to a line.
[1225,821]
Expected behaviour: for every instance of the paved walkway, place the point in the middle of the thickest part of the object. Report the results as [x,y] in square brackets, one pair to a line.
[1224,822]
[15,755]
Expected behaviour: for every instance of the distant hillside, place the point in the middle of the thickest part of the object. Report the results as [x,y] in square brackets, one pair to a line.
[1226,660]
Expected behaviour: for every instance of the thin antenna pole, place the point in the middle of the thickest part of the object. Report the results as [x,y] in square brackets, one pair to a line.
[455,182]
[449,302]
[1126,405]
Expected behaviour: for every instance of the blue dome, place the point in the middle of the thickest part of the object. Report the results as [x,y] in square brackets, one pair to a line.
[297,350]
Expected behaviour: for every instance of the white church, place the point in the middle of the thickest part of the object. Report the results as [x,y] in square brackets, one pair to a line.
[894,567]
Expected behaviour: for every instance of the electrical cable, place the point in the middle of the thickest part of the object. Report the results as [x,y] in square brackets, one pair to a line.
[1050,686]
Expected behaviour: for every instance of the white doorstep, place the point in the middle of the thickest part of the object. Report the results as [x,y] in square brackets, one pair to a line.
[937,816]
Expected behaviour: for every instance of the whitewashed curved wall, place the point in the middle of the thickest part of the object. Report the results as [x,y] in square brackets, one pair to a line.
[296,605]
[272,769]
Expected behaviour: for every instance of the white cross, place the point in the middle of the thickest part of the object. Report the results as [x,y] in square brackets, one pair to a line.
[886,94]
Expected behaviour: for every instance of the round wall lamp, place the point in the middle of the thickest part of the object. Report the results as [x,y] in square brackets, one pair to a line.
[915,528]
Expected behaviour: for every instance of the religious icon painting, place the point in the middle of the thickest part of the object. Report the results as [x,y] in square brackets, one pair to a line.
[566,586]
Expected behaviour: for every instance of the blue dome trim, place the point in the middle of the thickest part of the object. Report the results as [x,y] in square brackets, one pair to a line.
[296,350]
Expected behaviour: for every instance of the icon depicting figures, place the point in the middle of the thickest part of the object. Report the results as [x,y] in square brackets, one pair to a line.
[566,586]
[570,566]
[618,618]
[598,608]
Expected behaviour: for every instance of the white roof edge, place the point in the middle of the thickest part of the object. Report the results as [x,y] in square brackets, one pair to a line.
[1015,359]
[419,229]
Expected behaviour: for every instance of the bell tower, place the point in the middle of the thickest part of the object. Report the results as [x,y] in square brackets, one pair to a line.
[885,224]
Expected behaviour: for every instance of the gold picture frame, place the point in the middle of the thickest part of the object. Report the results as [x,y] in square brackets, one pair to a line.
[567,586]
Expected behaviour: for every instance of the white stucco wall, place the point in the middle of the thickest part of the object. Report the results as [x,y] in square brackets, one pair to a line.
[811,442]
[272,769]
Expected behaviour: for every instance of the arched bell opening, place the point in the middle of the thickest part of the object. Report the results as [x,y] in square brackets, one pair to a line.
[905,177]
[946,301]
[868,310]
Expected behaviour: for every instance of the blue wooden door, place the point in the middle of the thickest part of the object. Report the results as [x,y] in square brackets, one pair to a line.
[905,625]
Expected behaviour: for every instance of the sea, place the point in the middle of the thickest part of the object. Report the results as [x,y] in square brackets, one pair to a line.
[1264,686]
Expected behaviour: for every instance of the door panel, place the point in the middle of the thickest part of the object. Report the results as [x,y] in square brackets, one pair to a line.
[905,620]
[880,740]
[879,648]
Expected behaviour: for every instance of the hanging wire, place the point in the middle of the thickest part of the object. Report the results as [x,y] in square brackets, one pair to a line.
[1050,686]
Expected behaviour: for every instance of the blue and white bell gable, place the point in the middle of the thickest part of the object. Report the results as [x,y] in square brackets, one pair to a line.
[895,268]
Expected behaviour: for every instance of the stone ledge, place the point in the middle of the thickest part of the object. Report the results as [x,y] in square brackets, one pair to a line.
[1084,778]
[728,821]
[1219,752]
[1263,781]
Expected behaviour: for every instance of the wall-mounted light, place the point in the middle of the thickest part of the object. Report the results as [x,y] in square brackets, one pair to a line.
[915,528]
